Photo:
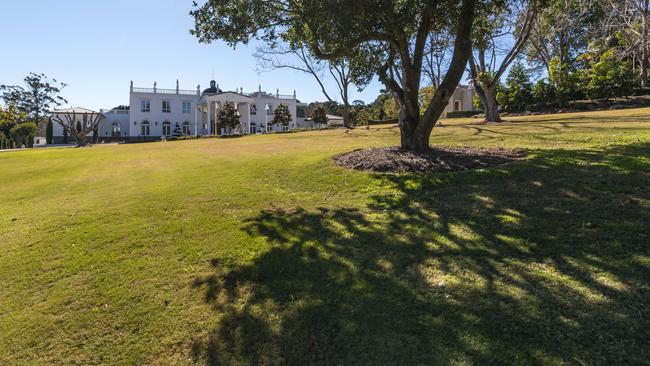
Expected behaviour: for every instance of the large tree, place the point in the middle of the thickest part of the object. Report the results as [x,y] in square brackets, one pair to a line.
[36,97]
[499,37]
[391,35]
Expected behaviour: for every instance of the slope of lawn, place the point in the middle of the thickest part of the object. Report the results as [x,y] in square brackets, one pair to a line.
[259,250]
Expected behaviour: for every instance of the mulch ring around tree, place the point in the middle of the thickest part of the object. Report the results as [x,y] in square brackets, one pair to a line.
[438,159]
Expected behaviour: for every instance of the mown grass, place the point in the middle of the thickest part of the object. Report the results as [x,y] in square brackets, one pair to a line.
[259,250]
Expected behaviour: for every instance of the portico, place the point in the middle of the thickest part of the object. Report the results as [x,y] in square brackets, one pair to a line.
[210,103]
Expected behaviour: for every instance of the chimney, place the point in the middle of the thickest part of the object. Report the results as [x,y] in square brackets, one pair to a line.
[277,93]
[155,84]
[131,86]
[176,86]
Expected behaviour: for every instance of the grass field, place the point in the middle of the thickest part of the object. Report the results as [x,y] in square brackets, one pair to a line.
[259,250]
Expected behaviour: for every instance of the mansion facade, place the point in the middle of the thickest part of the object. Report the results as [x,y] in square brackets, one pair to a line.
[155,113]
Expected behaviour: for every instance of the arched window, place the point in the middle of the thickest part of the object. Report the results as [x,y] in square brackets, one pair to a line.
[253,128]
[144,128]
[115,131]
[186,128]
[166,128]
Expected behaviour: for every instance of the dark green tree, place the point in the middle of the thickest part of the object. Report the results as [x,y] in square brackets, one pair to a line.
[177,130]
[23,134]
[281,115]
[544,95]
[49,132]
[517,93]
[228,117]
[390,36]
[318,115]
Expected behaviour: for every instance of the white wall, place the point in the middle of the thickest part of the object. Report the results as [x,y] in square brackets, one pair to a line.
[156,116]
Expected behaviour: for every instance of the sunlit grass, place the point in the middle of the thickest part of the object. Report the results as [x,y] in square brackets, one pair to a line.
[259,250]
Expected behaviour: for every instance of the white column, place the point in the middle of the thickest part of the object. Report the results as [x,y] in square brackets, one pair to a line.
[209,118]
[196,124]
[248,117]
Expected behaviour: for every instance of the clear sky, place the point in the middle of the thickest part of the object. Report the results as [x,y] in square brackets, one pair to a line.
[98,47]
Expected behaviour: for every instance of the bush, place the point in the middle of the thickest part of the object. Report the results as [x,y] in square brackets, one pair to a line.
[462,114]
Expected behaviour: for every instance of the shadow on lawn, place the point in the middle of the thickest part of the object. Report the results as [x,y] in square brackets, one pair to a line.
[545,261]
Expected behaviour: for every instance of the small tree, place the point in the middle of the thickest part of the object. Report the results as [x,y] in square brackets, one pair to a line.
[318,115]
[517,95]
[23,134]
[71,121]
[177,130]
[281,115]
[49,132]
[228,117]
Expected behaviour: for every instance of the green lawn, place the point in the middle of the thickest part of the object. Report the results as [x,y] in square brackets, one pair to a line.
[259,250]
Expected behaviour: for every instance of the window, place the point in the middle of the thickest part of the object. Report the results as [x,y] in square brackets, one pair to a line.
[166,128]
[300,112]
[457,105]
[187,106]
[186,128]
[115,131]
[145,105]
[269,109]
[253,129]
[253,109]
[144,128]
[166,106]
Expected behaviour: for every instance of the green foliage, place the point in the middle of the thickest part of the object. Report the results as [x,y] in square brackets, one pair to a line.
[23,134]
[608,77]
[49,132]
[318,114]
[10,117]
[461,114]
[517,91]
[281,115]
[564,78]
[177,130]
[36,98]
[544,94]
[390,108]
[228,117]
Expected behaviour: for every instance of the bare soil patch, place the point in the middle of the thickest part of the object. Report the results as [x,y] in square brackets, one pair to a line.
[438,159]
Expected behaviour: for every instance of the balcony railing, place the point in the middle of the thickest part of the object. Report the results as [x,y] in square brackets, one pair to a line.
[165,91]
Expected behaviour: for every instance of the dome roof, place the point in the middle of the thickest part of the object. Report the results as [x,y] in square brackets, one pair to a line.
[212,89]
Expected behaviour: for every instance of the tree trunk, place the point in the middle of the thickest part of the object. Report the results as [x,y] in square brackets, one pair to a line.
[488,98]
[411,138]
[345,113]
[644,53]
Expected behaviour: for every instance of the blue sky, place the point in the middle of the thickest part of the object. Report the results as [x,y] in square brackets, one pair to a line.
[97,47]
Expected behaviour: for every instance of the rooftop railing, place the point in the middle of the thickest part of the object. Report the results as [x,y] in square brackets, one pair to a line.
[165,91]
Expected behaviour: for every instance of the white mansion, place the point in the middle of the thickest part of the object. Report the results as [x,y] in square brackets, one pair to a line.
[153,113]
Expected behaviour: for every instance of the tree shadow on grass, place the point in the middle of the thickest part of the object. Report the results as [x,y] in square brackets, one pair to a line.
[545,261]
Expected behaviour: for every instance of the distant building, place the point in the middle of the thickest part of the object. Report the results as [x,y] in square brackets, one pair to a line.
[153,113]
[461,100]
[334,120]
